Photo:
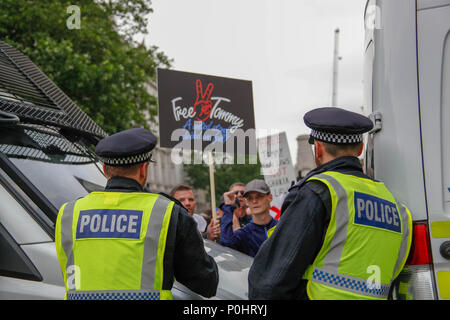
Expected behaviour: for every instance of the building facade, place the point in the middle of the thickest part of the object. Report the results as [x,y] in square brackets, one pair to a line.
[305,156]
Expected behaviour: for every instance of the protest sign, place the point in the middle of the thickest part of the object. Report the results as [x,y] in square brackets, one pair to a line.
[276,163]
[197,110]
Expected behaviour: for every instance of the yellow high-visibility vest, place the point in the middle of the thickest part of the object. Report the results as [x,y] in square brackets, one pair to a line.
[366,244]
[270,231]
[111,245]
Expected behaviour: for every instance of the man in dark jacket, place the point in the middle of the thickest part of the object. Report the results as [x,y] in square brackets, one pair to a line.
[305,214]
[178,253]
[249,238]
[277,271]
[184,246]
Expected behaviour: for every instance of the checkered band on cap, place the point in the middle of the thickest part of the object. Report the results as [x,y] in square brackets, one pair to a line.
[337,138]
[127,160]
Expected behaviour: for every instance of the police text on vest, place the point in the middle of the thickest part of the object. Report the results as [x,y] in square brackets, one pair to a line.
[376,212]
[109,223]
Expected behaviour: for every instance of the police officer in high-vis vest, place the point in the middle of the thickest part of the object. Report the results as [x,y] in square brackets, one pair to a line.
[341,235]
[124,242]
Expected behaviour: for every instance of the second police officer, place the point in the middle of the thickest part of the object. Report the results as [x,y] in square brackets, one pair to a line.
[125,243]
[342,235]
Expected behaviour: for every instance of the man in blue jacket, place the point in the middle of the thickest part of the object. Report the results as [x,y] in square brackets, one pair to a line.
[249,238]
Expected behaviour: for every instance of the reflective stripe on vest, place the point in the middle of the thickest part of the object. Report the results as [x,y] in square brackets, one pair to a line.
[154,242]
[151,270]
[66,234]
[342,261]
[114,295]
[349,283]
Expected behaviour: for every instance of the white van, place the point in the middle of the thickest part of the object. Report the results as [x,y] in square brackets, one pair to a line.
[407,90]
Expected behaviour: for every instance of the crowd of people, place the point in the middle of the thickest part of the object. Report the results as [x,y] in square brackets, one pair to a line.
[243,221]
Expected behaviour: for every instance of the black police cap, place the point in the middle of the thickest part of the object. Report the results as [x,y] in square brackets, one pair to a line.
[127,147]
[337,126]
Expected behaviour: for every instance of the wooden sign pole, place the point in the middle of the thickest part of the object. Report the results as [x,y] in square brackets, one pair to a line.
[212,186]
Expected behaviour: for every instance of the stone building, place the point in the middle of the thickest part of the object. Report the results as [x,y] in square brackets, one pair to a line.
[305,156]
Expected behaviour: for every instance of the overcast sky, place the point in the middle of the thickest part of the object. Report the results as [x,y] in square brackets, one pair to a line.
[285,47]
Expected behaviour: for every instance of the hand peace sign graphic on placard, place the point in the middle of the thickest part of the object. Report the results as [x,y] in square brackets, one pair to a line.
[203,104]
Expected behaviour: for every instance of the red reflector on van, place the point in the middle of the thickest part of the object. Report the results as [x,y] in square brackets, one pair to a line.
[420,248]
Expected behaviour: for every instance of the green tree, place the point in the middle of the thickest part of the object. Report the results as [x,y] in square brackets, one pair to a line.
[99,65]
[224,175]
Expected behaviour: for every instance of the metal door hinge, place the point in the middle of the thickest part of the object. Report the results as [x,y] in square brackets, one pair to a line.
[377,120]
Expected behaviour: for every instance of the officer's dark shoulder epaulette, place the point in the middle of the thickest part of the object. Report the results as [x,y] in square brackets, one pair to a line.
[172,199]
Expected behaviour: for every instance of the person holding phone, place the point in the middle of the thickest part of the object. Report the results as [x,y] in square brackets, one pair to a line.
[247,239]
[238,205]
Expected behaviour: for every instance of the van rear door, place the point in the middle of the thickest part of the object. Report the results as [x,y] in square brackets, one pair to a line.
[433,59]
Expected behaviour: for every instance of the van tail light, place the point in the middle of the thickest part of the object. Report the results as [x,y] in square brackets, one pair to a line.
[416,281]
[420,253]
